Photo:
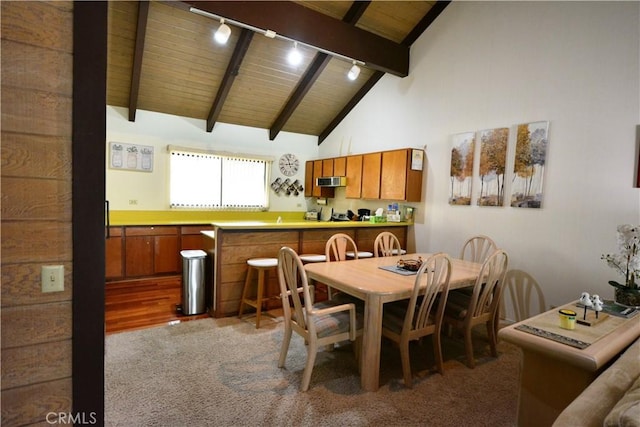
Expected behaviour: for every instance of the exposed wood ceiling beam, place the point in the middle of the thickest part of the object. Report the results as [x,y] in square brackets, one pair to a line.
[424,23]
[429,17]
[350,105]
[312,73]
[136,69]
[229,76]
[313,28]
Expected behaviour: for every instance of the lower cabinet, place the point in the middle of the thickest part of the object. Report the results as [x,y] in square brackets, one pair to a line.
[151,250]
[114,250]
[137,252]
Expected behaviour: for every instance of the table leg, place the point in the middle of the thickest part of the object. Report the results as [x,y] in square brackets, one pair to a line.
[370,370]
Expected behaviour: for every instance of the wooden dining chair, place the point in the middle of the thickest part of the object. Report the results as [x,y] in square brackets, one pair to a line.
[524,295]
[478,248]
[464,311]
[386,244]
[337,247]
[320,324]
[421,315]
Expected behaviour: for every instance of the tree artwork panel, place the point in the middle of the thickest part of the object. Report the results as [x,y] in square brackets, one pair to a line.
[462,168]
[493,157]
[528,168]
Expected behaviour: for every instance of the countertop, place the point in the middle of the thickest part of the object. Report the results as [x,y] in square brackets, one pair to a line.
[253,225]
[231,220]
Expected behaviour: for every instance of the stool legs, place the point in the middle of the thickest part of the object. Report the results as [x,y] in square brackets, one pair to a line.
[259,296]
[245,291]
[257,303]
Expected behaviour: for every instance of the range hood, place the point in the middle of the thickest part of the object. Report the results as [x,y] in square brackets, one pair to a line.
[331,181]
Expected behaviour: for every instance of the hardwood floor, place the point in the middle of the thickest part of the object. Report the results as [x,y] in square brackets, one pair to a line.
[144,303]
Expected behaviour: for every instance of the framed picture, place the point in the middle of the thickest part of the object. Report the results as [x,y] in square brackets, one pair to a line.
[417,158]
[131,157]
[493,158]
[532,141]
[461,172]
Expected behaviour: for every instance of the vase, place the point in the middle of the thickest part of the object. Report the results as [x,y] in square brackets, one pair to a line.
[627,296]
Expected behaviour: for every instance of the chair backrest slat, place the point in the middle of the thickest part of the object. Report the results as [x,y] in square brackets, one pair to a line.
[385,244]
[431,286]
[292,276]
[487,290]
[337,247]
[478,248]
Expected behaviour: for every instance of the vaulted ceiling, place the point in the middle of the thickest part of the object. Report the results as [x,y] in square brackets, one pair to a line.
[162,58]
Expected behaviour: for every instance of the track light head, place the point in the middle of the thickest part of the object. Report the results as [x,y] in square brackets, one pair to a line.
[295,57]
[222,33]
[354,72]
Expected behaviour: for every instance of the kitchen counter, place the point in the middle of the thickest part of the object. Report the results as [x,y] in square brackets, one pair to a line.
[237,241]
[291,225]
[118,218]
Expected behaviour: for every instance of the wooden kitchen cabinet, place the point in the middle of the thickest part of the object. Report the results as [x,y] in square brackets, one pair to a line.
[354,177]
[308,178]
[400,181]
[114,251]
[371,175]
[340,166]
[365,173]
[318,171]
[192,238]
[151,250]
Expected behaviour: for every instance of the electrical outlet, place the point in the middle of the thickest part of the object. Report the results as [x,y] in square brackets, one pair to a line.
[52,278]
[133,201]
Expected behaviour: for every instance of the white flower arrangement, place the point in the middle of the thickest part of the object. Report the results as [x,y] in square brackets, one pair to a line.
[627,261]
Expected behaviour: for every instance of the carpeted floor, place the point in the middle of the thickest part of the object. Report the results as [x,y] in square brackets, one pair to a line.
[223,372]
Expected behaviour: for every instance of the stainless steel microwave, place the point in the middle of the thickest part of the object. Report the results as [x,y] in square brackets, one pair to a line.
[331,181]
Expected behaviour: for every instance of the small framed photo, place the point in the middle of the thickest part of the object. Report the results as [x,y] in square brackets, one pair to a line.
[417,158]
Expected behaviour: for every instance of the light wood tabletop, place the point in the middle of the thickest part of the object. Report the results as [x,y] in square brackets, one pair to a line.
[364,279]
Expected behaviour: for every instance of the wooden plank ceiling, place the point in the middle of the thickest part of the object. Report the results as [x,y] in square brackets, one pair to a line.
[162,58]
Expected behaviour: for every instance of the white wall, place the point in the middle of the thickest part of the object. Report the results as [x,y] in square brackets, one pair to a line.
[493,64]
[151,189]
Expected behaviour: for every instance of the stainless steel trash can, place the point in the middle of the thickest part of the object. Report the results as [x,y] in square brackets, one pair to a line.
[193,298]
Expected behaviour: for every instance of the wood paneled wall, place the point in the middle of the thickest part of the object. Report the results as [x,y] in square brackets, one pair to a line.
[37,48]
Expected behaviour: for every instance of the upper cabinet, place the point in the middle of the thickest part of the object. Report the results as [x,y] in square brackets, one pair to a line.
[308,178]
[340,166]
[386,175]
[354,177]
[315,169]
[400,181]
[371,175]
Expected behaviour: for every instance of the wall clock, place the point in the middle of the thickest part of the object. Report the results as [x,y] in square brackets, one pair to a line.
[289,164]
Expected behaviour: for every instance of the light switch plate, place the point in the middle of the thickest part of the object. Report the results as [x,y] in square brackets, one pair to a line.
[52,278]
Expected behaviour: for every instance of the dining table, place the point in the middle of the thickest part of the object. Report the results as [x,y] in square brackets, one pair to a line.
[377,281]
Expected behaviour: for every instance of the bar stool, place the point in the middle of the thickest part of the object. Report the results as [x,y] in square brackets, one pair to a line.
[361,254]
[262,266]
[309,258]
[306,258]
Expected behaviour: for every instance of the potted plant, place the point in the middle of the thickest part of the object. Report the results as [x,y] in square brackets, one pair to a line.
[627,263]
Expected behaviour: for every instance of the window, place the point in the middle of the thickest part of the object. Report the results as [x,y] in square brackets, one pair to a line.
[214,181]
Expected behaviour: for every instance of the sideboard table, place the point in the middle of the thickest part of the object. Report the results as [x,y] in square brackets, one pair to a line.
[555,369]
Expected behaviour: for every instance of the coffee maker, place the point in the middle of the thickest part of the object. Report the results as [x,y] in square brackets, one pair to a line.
[364,214]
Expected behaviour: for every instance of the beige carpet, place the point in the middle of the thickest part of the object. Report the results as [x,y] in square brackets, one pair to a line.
[224,373]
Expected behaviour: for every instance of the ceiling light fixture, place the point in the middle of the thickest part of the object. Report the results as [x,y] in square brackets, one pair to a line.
[354,72]
[295,57]
[222,33]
